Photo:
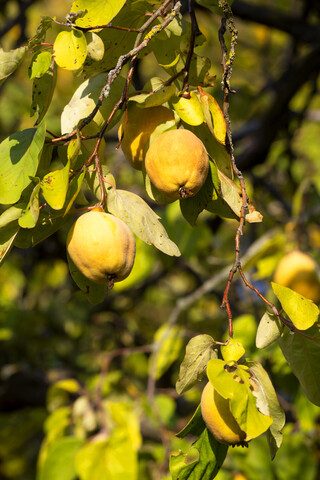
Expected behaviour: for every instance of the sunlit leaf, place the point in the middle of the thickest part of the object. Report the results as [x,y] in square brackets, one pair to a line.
[30,217]
[274,434]
[99,12]
[203,460]
[168,346]
[269,330]
[231,194]
[233,383]
[84,100]
[132,16]
[141,219]
[109,459]
[54,187]
[198,352]
[73,191]
[42,93]
[60,461]
[40,64]
[302,312]
[8,234]
[19,155]
[70,49]
[10,61]
[303,354]
[95,48]
[213,116]
[188,108]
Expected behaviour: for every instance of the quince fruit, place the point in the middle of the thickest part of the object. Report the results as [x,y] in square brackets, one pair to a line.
[177,163]
[102,247]
[218,417]
[136,128]
[298,271]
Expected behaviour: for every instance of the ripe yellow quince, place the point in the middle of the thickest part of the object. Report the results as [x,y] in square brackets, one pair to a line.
[135,129]
[177,163]
[298,271]
[102,247]
[218,417]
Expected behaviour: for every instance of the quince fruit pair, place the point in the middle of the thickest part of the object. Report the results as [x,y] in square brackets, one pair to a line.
[102,247]
[298,271]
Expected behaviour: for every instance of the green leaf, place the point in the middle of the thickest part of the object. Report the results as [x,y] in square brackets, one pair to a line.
[40,64]
[213,116]
[60,461]
[30,217]
[195,426]
[107,459]
[192,206]
[168,346]
[217,152]
[19,155]
[189,109]
[268,331]
[159,94]
[95,48]
[73,191]
[54,187]
[48,223]
[94,292]
[84,100]
[11,214]
[10,61]
[232,382]
[141,219]
[198,353]
[99,12]
[70,49]
[202,461]
[303,355]
[232,195]
[274,434]
[8,234]
[132,16]
[42,93]
[302,312]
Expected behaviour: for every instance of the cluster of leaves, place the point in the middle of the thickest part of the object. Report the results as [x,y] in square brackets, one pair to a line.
[44,176]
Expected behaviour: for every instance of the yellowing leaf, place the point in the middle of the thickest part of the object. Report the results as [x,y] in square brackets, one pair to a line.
[9,61]
[19,155]
[261,378]
[168,345]
[141,219]
[268,331]
[231,193]
[54,187]
[99,12]
[70,49]
[189,109]
[40,64]
[302,312]
[198,352]
[213,116]
[233,383]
